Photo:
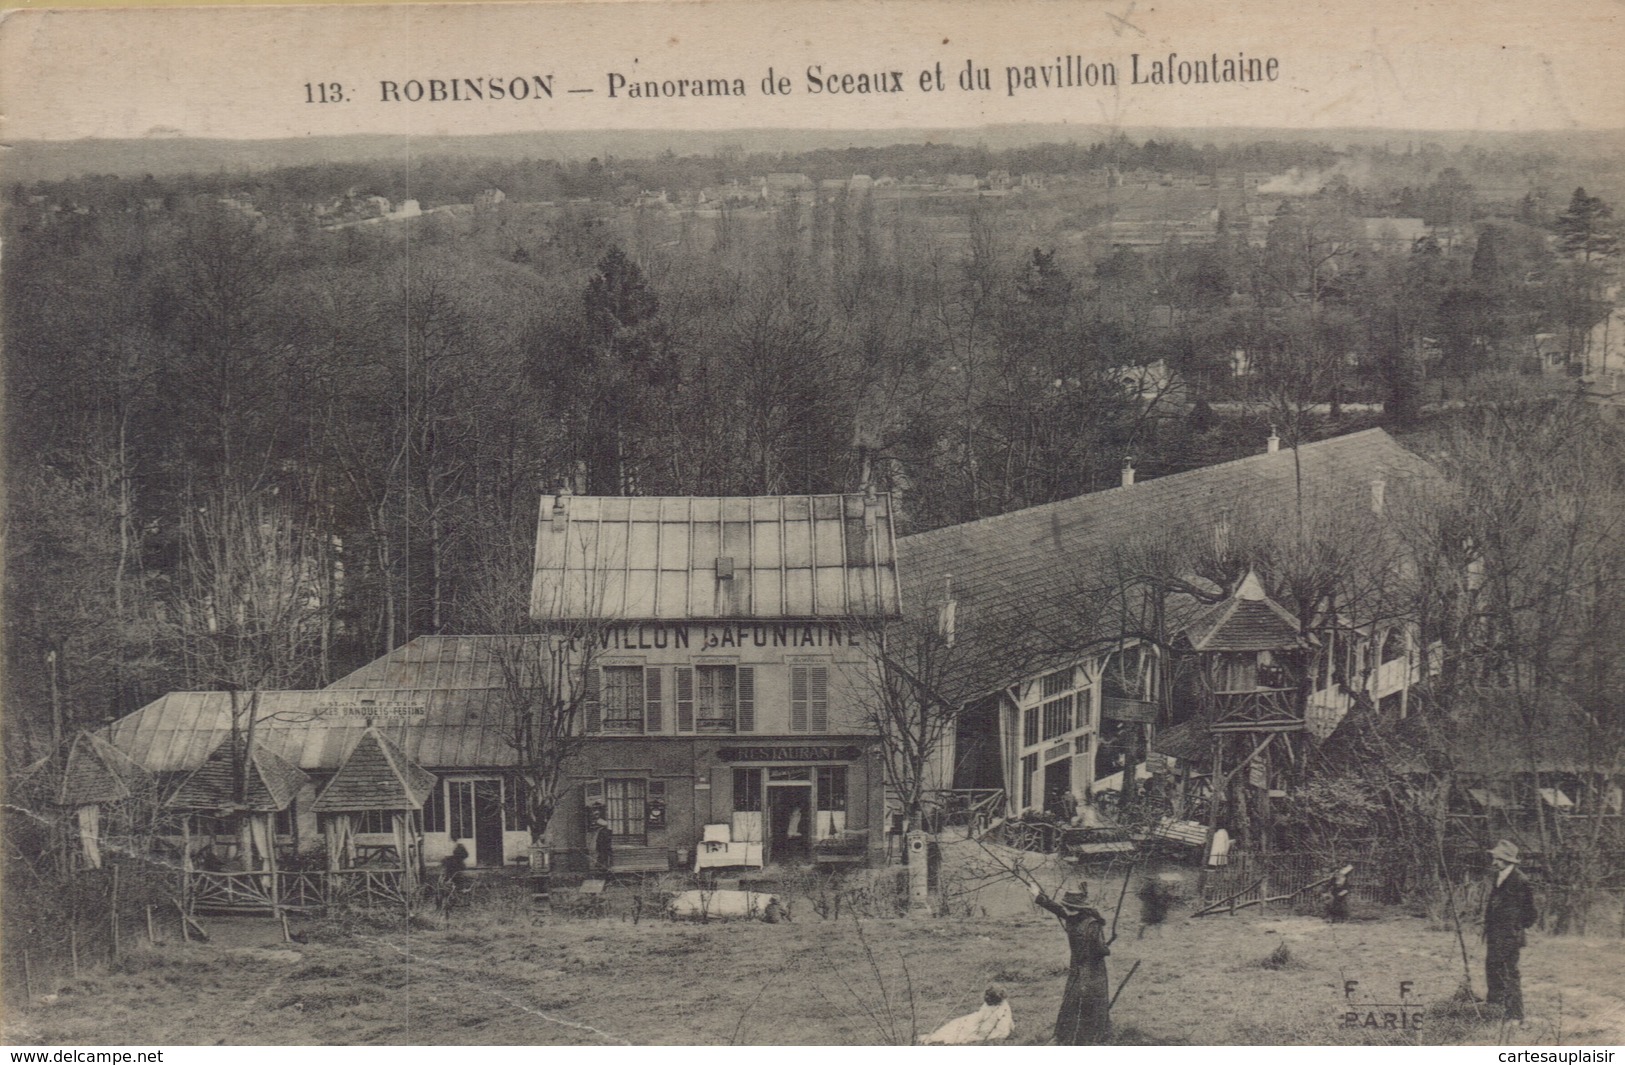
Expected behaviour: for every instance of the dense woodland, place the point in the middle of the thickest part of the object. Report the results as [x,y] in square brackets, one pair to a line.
[245,451]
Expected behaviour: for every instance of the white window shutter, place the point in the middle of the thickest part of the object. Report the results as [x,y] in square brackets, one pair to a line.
[747,698]
[652,700]
[589,701]
[818,698]
[685,698]
[798,698]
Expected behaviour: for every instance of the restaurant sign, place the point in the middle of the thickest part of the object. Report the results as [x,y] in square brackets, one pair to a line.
[362,704]
[801,753]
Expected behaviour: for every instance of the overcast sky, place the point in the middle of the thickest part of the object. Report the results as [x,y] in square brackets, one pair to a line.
[243,73]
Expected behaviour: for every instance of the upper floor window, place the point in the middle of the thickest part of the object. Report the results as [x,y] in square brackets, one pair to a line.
[1058,716]
[809,698]
[623,699]
[1393,646]
[716,698]
[1235,672]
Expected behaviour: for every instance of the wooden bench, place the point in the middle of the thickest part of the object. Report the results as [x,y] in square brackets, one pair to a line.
[638,861]
[1191,833]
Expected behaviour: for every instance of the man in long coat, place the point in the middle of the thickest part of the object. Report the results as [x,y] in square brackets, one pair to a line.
[1509,911]
[1085,1018]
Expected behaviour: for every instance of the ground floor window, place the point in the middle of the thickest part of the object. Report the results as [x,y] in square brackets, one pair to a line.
[748,790]
[434,810]
[830,796]
[626,809]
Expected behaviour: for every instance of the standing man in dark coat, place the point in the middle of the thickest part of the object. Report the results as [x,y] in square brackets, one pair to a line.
[1085,1018]
[1510,910]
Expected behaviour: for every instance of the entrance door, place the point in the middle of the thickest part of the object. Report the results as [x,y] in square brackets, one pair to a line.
[789,815]
[1057,784]
[476,819]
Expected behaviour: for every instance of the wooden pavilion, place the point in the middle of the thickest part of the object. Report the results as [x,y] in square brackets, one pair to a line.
[104,787]
[241,790]
[376,783]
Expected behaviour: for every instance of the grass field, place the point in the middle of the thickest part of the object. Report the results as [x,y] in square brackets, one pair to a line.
[494,977]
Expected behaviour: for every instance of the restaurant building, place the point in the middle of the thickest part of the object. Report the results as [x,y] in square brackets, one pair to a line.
[730,694]
[728,673]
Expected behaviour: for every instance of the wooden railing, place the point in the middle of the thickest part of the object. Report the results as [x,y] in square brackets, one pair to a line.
[302,890]
[231,892]
[268,892]
[366,887]
[973,807]
[1264,710]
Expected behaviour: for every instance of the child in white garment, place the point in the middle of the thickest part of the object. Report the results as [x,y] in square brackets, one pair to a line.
[992,1021]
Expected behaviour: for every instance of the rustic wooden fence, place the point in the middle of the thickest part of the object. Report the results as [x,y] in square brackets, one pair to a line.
[1249,878]
[266,893]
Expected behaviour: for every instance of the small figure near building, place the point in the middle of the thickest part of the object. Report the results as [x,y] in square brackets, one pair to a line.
[1337,895]
[603,838]
[1509,912]
[992,1021]
[454,866]
[1085,1018]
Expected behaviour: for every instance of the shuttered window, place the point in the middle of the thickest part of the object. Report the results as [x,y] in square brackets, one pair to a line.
[622,699]
[716,698]
[719,699]
[809,698]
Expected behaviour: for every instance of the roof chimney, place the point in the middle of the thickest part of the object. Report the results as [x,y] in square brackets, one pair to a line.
[1128,471]
[1273,444]
[1379,493]
[561,502]
[947,613]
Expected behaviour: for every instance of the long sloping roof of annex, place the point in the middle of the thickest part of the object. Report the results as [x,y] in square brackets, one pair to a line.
[1017,578]
[316,730]
[444,663]
[813,556]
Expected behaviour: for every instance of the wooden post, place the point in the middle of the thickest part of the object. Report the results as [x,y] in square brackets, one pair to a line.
[282,915]
[28,979]
[112,915]
[152,937]
[186,933]
[73,949]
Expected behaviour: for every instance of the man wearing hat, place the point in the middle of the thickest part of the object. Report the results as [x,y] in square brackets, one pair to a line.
[1510,910]
[1085,1018]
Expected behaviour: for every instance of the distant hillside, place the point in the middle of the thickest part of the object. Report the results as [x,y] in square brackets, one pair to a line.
[161,155]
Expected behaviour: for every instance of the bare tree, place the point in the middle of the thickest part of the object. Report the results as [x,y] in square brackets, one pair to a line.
[547,674]
[249,612]
[911,705]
